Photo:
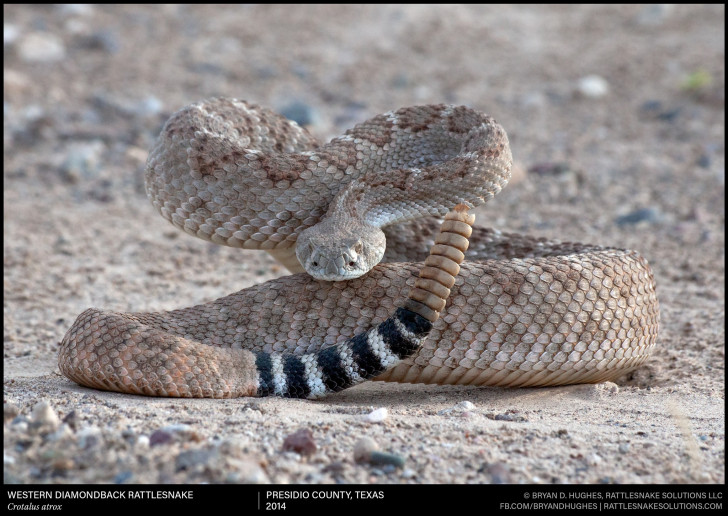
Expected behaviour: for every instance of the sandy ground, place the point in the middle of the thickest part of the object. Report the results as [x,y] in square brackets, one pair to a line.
[634,157]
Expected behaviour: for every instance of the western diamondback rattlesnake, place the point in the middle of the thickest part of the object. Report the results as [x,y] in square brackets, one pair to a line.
[522,312]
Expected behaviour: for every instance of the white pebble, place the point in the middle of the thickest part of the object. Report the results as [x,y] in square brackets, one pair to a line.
[39,47]
[76,9]
[461,407]
[8,459]
[377,416]
[62,433]
[594,459]
[409,473]
[44,415]
[593,86]
[464,405]
[10,34]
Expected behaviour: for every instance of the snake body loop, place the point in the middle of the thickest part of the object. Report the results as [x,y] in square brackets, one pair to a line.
[518,311]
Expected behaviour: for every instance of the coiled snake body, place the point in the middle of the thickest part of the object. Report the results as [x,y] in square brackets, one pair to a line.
[521,312]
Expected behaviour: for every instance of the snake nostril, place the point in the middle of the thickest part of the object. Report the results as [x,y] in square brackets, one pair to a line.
[315,264]
[351,264]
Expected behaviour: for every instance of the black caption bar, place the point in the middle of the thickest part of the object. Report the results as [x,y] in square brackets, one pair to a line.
[293,499]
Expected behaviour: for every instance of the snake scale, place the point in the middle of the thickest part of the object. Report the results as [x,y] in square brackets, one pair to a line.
[519,311]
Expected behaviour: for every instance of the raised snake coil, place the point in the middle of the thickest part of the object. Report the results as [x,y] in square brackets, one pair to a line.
[522,311]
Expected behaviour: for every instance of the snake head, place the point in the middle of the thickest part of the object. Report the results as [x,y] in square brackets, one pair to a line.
[338,249]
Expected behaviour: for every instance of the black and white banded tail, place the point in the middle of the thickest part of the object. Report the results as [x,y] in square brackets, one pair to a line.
[375,351]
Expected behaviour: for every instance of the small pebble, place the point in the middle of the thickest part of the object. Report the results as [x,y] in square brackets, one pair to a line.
[511,415]
[301,113]
[71,419]
[654,14]
[704,161]
[20,424]
[408,473]
[89,437]
[366,451]
[10,412]
[108,104]
[592,86]
[498,472]
[190,458]
[378,458]
[363,449]
[62,433]
[40,47]
[75,9]
[550,169]
[377,416]
[123,477]
[637,216]
[463,406]
[43,418]
[82,161]
[102,40]
[594,459]
[160,437]
[334,467]
[15,84]
[301,442]
[183,432]
[399,81]
[246,472]
[8,459]
[10,34]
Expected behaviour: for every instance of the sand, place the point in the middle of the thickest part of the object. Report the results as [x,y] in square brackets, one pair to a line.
[617,125]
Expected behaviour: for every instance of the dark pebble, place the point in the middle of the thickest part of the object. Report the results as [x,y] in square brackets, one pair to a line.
[670,115]
[103,41]
[637,216]
[378,458]
[299,112]
[123,477]
[498,472]
[507,416]
[301,442]
[71,419]
[399,81]
[160,437]
[651,106]
[655,109]
[549,169]
[334,467]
